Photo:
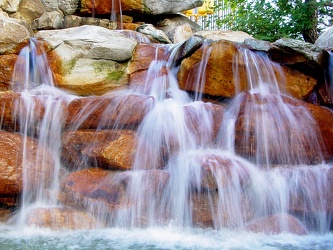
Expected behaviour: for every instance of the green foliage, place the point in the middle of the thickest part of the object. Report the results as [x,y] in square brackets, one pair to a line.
[272,19]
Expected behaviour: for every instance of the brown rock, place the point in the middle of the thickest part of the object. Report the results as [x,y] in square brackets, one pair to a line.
[276,224]
[6,71]
[143,55]
[266,131]
[4,214]
[38,163]
[108,111]
[311,191]
[111,149]
[209,211]
[117,154]
[99,6]
[61,218]
[203,120]
[31,9]
[109,191]
[219,171]
[220,76]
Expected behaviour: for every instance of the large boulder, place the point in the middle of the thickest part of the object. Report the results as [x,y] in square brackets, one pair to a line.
[31,9]
[276,224]
[283,131]
[110,149]
[23,156]
[106,192]
[325,40]
[88,60]
[13,37]
[114,111]
[57,218]
[137,6]
[216,63]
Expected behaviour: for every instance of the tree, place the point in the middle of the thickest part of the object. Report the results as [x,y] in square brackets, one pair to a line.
[272,19]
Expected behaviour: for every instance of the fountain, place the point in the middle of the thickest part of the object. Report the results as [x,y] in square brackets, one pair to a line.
[251,173]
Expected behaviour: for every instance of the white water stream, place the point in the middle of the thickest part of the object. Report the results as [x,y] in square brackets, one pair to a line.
[249,187]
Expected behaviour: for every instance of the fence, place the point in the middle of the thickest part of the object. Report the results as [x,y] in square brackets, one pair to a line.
[206,17]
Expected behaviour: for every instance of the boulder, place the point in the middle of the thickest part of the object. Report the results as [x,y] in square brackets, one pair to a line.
[229,35]
[264,131]
[218,170]
[208,210]
[141,7]
[13,37]
[31,9]
[276,224]
[9,6]
[58,218]
[216,63]
[88,60]
[7,63]
[109,149]
[109,192]
[112,111]
[325,40]
[37,165]
[49,20]
[177,27]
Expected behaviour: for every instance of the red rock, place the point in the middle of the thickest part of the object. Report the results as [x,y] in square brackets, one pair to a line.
[276,224]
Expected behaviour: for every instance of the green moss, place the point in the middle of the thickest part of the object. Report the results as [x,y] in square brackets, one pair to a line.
[70,65]
[112,73]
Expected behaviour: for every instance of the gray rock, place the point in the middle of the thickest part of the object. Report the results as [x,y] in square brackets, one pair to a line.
[12,35]
[156,34]
[325,40]
[49,20]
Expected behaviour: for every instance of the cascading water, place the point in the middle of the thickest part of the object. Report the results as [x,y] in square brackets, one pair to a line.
[193,169]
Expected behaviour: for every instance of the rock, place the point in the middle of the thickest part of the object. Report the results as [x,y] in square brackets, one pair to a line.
[325,40]
[229,35]
[150,30]
[219,78]
[4,215]
[13,37]
[6,70]
[141,7]
[177,27]
[209,211]
[143,55]
[88,60]
[310,191]
[110,149]
[38,164]
[68,7]
[221,59]
[49,20]
[297,55]
[301,137]
[276,224]
[57,218]
[109,192]
[9,6]
[108,112]
[255,44]
[31,9]
[308,50]
[218,170]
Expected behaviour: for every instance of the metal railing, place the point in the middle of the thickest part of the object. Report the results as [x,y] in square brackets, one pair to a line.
[206,17]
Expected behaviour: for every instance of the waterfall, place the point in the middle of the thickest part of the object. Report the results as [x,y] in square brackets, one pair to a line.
[193,167]
[32,68]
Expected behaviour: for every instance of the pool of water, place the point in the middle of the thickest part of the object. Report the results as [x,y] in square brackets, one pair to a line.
[158,238]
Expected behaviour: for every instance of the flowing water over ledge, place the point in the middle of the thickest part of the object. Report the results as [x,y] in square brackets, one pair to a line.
[155,238]
[263,175]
